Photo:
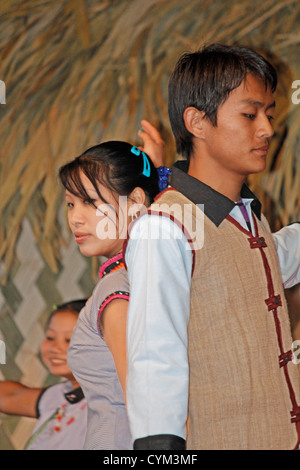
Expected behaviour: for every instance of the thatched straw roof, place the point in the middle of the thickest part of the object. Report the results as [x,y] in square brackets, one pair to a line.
[81,71]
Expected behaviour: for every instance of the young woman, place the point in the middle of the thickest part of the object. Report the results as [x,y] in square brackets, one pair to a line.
[105,186]
[61,409]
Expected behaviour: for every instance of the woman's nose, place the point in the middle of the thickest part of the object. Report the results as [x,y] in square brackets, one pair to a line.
[75,217]
[57,346]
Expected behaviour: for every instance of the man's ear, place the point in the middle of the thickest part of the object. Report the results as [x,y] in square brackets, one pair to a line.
[194,121]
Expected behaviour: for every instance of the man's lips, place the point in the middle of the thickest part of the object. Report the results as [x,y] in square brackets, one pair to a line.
[262,150]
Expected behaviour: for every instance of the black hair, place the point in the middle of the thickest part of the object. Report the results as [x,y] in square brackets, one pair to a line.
[119,166]
[204,79]
[73,306]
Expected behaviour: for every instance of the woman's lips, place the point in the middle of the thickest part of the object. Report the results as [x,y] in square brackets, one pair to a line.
[57,362]
[81,237]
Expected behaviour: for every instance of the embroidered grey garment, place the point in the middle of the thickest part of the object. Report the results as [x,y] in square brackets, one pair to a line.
[72,426]
[93,367]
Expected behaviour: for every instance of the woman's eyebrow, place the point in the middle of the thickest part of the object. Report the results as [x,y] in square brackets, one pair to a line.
[92,190]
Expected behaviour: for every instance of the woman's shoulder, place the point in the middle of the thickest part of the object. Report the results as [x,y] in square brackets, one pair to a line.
[109,284]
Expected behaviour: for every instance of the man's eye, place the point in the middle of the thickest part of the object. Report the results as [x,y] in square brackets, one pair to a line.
[250,116]
[69,204]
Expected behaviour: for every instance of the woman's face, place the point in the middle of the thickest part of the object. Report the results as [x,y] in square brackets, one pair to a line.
[55,345]
[97,226]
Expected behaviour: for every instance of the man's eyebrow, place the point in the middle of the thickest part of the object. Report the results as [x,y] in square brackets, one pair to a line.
[259,103]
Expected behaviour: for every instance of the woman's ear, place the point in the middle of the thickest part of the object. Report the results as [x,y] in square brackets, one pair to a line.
[194,121]
[136,201]
[137,196]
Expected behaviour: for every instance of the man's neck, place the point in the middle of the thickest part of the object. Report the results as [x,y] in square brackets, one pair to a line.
[226,183]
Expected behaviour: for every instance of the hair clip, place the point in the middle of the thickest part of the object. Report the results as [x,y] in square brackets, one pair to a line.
[135,150]
[163,176]
[147,167]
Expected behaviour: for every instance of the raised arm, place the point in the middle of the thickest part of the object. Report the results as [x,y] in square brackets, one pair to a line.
[154,145]
[17,399]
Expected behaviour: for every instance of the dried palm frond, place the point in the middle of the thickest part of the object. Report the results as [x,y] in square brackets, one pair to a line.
[81,71]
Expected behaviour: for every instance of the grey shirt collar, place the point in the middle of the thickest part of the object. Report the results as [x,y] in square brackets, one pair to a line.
[216,205]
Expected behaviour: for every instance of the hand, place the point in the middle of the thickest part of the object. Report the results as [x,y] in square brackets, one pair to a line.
[154,145]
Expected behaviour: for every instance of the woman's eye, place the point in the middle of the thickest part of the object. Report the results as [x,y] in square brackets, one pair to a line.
[49,338]
[90,201]
[69,204]
[271,118]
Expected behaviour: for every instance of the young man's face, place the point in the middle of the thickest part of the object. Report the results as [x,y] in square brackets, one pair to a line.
[238,145]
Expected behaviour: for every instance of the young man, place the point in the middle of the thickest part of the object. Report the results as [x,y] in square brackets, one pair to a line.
[209,344]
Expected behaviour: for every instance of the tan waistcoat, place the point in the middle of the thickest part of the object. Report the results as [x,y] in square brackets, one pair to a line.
[244,387]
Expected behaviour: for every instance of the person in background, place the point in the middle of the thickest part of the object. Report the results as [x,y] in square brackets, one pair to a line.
[60,409]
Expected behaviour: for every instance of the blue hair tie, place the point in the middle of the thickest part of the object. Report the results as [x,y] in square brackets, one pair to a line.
[163,177]
[147,167]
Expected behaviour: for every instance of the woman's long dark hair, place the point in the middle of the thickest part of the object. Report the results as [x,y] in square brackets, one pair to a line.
[118,166]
